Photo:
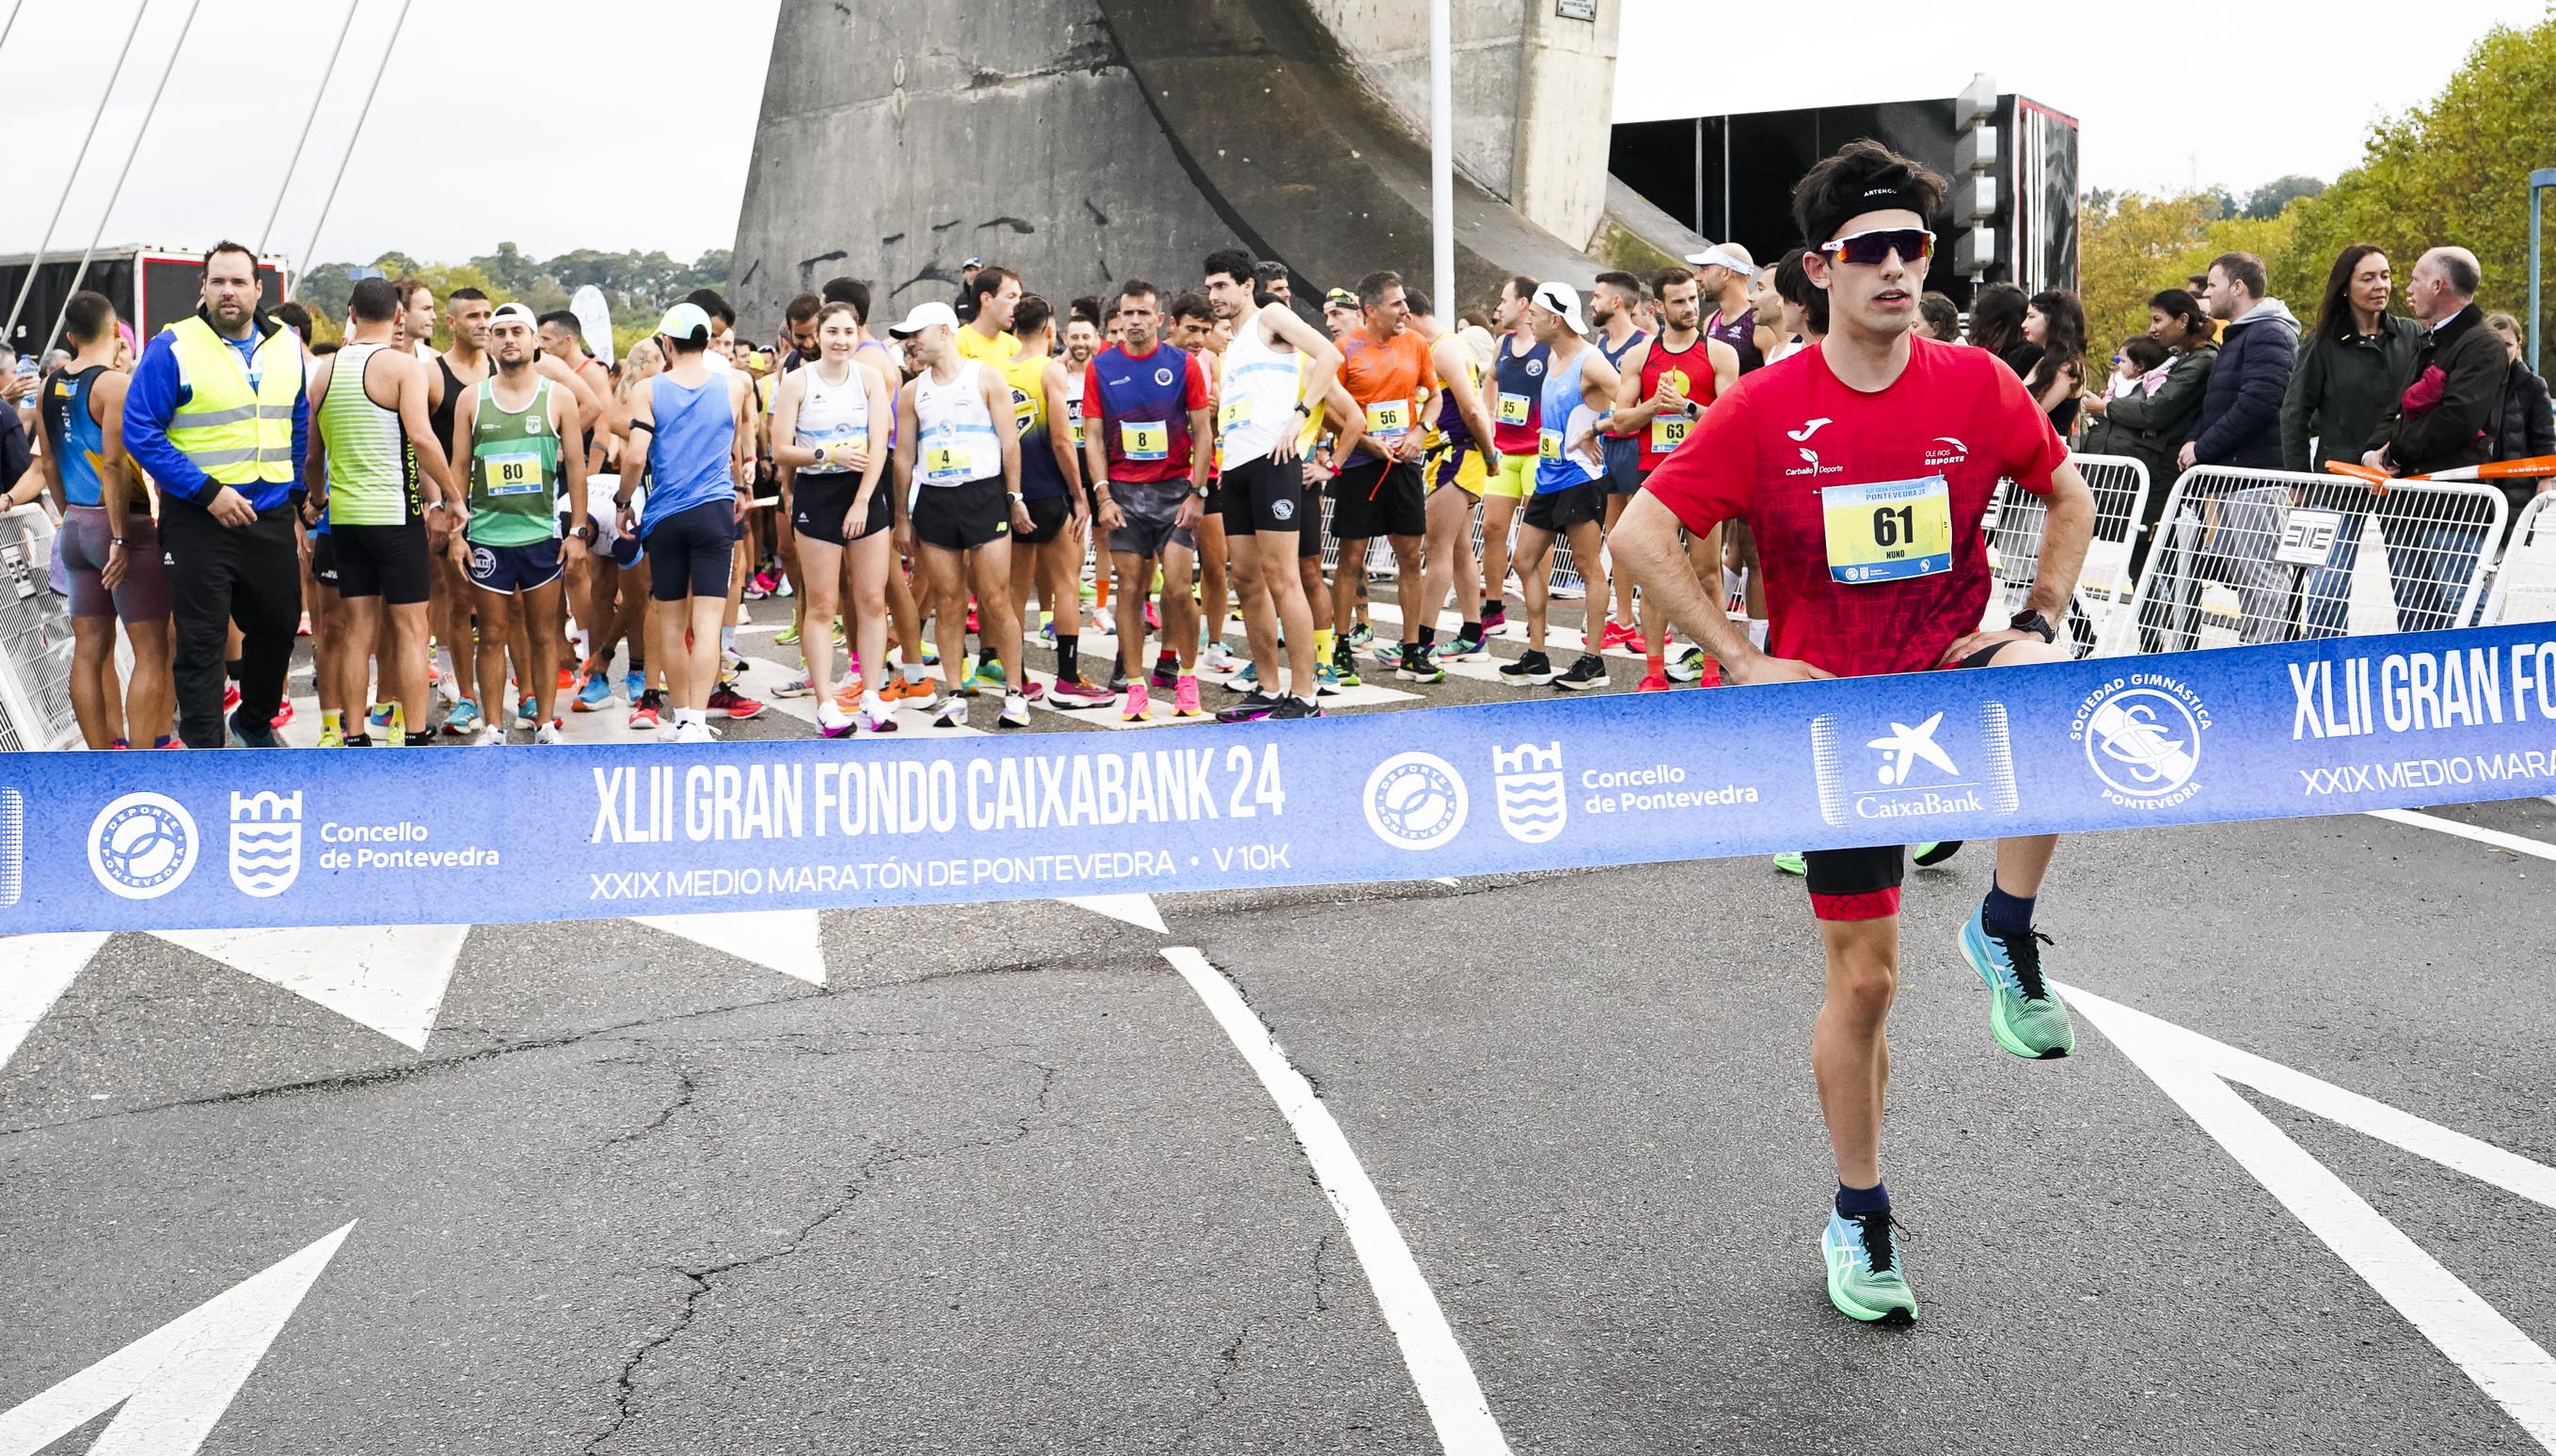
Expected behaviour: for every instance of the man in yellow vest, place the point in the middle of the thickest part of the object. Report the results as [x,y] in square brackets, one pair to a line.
[218,415]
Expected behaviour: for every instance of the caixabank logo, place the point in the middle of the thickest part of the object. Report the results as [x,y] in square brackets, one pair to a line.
[2141,734]
[1937,764]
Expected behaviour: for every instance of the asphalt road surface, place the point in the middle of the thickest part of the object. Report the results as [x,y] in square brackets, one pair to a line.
[1011,1179]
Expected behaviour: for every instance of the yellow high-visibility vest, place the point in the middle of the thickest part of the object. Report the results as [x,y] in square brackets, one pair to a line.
[235,434]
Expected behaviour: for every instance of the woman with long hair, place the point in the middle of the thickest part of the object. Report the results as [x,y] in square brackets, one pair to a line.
[2351,365]
[2054,322]
[1996,326]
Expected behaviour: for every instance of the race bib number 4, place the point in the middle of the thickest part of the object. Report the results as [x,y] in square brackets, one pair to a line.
[511,475]
[1890,531]
[1514,408]
[1668,432]
[1389,418]
[948,462]
[1145,439]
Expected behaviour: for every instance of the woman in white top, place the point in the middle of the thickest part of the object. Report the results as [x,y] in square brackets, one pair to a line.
[828,438]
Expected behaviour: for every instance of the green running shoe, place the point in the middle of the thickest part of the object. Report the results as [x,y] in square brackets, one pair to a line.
[1927,856]
[1344,670]
[1790,862]
[1865,1281]
[2027,1016]
[789,636]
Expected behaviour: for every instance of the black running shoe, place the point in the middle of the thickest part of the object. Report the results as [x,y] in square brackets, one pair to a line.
[1251,710]
[1293,708]
[1927,856]
[1590,671]
[1533,669]
[253,735]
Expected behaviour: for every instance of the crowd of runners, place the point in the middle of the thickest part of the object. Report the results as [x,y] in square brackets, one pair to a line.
[1762,472]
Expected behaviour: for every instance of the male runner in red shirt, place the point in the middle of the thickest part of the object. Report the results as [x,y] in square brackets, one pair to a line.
[1864,466]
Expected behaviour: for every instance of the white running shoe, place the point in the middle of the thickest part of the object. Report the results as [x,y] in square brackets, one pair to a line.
[1016,711]
[876,715]
[488,736]
[695,732]
[551,732]
[832,721]
[953,714]
[1216,658]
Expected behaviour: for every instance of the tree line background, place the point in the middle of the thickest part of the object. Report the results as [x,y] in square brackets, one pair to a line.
[2453,170]
[638,286]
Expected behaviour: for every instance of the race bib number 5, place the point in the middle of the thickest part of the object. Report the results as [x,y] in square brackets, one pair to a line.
[1890,531]
[511,475]
[1145,439]
[1235,414]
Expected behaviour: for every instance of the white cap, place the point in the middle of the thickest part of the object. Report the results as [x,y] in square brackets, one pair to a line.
[924,316]
[1562,298]
[1723,255]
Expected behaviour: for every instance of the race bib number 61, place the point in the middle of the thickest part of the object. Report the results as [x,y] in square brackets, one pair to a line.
[1890,532]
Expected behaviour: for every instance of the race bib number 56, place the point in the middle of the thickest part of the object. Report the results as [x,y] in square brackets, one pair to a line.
[1890,532]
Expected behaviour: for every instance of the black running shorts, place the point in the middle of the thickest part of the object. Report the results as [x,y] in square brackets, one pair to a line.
[387,561]
[1374,498]
[690,551]
[1265,495]
[962,517]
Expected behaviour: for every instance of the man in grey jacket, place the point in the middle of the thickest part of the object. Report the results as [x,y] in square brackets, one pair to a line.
[2231,533]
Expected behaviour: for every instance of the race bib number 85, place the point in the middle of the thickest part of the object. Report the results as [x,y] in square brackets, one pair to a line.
[1890,532]
[1514,408]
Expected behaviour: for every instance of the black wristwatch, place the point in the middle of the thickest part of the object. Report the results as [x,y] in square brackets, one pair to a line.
[2032,621]
[582,532]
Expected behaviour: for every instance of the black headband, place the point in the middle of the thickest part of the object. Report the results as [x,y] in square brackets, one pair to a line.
[1878,199]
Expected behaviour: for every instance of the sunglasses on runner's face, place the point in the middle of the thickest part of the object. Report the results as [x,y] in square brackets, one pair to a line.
[1866,249]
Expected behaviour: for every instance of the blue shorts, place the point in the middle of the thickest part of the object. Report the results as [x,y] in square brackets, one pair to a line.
[689,552]
[511,569]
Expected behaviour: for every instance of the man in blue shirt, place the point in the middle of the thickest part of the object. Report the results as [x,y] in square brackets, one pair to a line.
[233,542]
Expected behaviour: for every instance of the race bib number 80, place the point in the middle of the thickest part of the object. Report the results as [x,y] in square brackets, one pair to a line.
[511,475]
[1894,530]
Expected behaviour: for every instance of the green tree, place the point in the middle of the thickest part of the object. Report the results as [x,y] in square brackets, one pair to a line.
[2141,245]
[2453,170]
[2267,200]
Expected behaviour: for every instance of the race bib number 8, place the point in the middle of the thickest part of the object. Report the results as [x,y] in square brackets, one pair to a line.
[1389,419]
[1145,439]
[1890,531]
[1514,408]
[948,463]
[1668,432]
[511,475]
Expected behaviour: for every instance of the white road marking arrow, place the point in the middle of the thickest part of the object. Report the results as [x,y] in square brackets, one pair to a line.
[2195,1071]
[35,970]
[176,1382]
[1138,910]
[788,941]
[391,978]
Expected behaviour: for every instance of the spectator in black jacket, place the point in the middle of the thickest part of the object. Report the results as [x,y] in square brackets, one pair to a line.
[2240,416]
[2448,413]
[2346,381]
[2151,428]
[2528,424]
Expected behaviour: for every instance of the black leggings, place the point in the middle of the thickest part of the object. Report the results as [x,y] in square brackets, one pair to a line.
[220,574]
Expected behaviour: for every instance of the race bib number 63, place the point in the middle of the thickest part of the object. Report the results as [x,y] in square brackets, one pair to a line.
[1894,530]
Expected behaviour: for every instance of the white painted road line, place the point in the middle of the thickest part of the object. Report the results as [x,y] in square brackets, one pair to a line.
[2438,825]
[1438,1365]
[35,970]
[174,1383]
[2504,1363]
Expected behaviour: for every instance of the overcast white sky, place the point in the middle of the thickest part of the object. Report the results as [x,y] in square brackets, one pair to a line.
[2144,80]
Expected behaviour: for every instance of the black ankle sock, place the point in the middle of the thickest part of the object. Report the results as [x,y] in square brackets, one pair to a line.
[1428,635]
[1473,630]
[1069,649]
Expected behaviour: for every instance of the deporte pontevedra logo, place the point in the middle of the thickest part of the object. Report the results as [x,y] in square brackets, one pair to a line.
[142,846]
[1414,800]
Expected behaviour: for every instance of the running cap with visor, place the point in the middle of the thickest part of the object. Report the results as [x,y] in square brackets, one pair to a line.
[1562,298]
[686,321]
[1340,298]
[924,316]
[1723,255]
[515,311]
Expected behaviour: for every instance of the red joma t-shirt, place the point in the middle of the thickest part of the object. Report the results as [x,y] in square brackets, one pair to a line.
[1836,483]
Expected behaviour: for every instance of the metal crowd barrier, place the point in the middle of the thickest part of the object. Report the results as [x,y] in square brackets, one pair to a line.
[2014,526]
[35,637]
[2525,582]
[2248,557]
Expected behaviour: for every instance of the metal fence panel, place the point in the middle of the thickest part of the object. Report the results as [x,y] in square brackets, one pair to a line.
[2018,517]
[35,639]
[2248,557]
[2524,583]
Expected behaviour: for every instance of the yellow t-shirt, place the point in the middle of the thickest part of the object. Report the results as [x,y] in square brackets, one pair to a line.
[996,350]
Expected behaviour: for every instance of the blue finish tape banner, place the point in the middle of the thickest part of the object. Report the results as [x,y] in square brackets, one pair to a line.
[102,841]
